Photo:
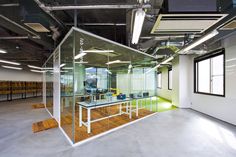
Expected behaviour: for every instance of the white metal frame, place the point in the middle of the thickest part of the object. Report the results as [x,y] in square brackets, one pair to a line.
[128,106]
[89,121]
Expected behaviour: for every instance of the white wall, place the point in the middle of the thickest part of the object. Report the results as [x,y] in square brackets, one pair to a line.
[15,75]
[181,69]
[164,92]
[175,81]
[223,108]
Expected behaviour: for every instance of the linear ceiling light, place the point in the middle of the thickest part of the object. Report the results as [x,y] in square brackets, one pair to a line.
[34,67]
[3,51]
[62,65]
[157,66]
[164,62]
[8,62]
[113,62]
[82,62]
[10,67]
[67,68]
[167,60]
[80,55]
[138,24]
[47,68]
[108,71]
[97,51]
[198,42]
[89,68]
[37,71]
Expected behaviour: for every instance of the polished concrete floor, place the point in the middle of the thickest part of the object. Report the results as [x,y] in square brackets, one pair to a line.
[177,133]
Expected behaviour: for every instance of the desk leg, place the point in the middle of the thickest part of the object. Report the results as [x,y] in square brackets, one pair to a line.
[151,104]
[130,110]
[120,108]
[80,116]
[156,104]
[88,120]
[136,108]
[145,103]
[127,107]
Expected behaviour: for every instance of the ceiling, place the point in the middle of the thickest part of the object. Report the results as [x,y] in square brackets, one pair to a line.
[30,30]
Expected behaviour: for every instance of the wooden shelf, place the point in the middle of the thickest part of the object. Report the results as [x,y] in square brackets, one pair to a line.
[22,89]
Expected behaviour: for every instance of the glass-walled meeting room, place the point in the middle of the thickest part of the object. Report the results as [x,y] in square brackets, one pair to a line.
[103,85]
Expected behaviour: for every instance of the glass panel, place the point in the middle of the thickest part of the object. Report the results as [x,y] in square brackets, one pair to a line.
[67,82]
[49,84]
[218,85]
[97,92]
[159,80]
[170,79]
[150,83]
[217,75]
[204,76]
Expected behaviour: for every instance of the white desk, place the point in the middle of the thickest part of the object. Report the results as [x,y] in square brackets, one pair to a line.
[99,104]
[104,103]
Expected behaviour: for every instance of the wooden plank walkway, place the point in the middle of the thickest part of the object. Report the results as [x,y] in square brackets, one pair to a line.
[44,125]
[37,106]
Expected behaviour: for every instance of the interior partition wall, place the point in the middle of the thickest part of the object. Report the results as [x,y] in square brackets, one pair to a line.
[49,84]
[96,71]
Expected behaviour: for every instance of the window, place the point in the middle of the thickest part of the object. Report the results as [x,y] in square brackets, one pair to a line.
[210,73]
[159,80]
[170,79]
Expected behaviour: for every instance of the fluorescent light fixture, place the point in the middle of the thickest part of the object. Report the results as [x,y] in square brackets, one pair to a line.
[8,62]
[82,62]
[10,67]
[130,66]
[34,67]
[62,65]
[199,41]
[80,55]
[129,71]
[37,71]
[113,62]
[98,51]
[157,66]
[89,68]
[67,68]
[167,60]
[47,68]
[138,24]
[3,51]
[229,60]
[64,71]
[108,71]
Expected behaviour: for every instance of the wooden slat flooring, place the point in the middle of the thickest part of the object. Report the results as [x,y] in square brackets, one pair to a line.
[44,125]
[98,127]
[37,106]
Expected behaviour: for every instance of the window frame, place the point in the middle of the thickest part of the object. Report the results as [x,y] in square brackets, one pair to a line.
[170,69]
[209,55]
[158,80]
